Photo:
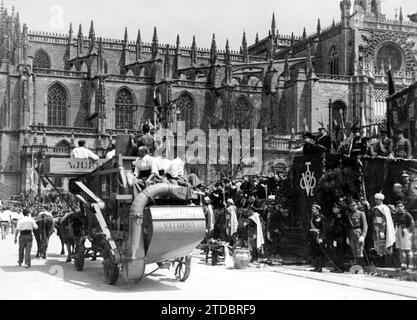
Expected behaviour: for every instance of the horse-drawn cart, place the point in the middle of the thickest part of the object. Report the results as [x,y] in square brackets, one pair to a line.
[130,232]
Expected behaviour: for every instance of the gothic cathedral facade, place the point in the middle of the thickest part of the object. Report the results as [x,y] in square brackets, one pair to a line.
[56,89]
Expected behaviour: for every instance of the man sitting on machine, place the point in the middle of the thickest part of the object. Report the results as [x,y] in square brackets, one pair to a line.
[146,170]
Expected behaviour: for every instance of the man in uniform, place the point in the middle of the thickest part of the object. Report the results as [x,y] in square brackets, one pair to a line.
[324,139]
[402,148]
[317,237]
[310,146]
[405,182]
[384,147]
[358,144]
[357,228]
[337,236]
[404,236]
[24,228]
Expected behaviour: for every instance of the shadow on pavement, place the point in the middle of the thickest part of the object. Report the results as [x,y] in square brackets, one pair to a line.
[92,277]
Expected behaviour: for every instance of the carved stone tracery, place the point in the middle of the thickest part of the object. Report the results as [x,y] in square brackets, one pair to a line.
[377,40]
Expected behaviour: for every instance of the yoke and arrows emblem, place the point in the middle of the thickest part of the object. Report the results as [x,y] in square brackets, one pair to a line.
[308,181]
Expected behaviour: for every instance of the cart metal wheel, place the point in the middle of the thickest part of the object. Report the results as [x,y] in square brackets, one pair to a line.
[111,269]
[79,256]
[182,268]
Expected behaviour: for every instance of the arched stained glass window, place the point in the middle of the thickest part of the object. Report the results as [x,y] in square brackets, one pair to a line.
[57,105]
[41,60]
[334,61]
[185,109]
[124,109]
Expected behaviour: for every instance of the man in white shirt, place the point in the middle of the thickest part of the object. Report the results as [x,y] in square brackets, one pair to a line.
[81,152]
[163,163]
[24,228]
[175,170]
[15,217]
[111,152]
[5,222]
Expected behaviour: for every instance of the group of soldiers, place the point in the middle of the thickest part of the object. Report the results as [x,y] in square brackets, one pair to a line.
[356,144]
[355,233]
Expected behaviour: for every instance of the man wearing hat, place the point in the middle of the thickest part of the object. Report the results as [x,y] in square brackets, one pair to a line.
[405,182]
[383,227]
[336,238]
[402,147]
[357,228]
[324,139]
[404,236]
[317,235]
[358,144]
[384,147]
[310,146]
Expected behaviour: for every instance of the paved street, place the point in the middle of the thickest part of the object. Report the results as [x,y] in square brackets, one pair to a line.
[55,279]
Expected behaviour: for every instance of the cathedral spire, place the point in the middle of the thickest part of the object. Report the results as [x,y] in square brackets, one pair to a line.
[304,33]
[138,46]
[177,44]
[257,38]
[126,37]
[213,50]
[70,32]
[154,43]
[318,26]
[80,41]
[273,26]
[227,58]
[138,38]
[193,52]
[91,33]
[92,37]
[401,14]
[245,48]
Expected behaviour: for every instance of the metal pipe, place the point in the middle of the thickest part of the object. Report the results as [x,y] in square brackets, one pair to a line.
[135,262]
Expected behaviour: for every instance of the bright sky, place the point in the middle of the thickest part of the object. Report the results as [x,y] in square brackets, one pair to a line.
[202,18]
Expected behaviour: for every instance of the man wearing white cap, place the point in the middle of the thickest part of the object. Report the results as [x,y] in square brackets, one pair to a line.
[383,227]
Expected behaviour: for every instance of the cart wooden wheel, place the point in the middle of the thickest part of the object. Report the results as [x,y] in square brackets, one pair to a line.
[79,257]
[182,268]
[111,269]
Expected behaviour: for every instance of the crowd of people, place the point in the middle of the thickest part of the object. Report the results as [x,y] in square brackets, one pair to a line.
[357,234]
[245,213]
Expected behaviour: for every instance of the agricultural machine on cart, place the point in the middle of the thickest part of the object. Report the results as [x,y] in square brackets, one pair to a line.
[130,232]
